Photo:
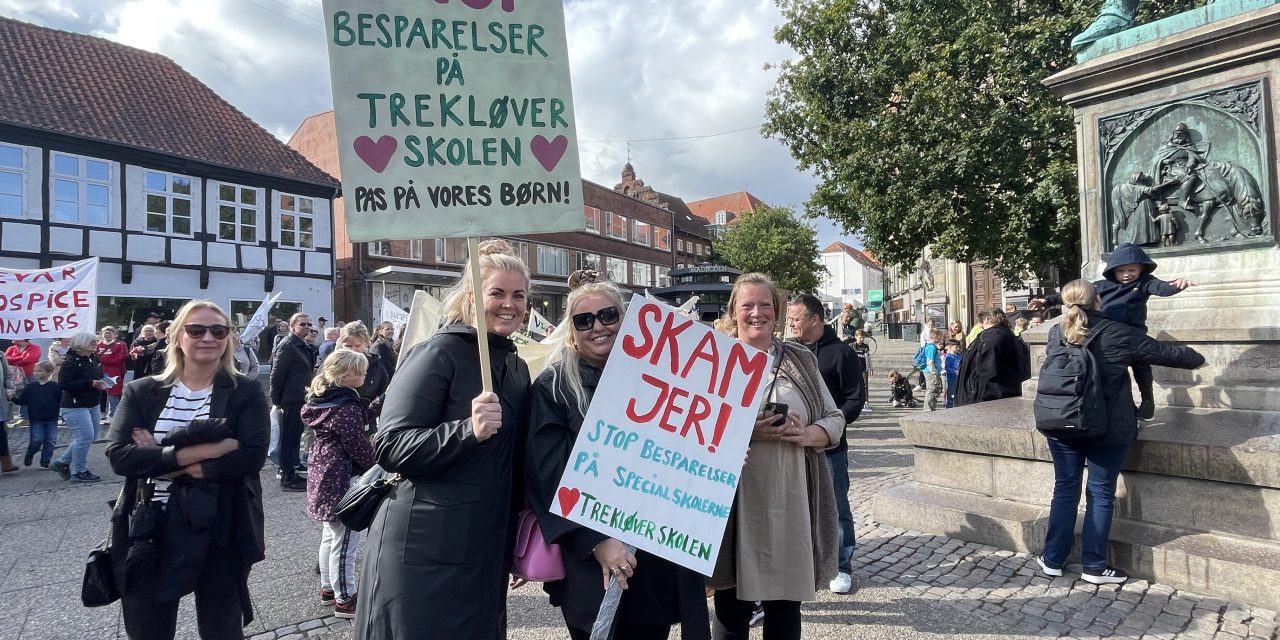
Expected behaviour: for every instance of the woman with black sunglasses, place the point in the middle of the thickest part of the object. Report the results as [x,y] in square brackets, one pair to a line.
[191,441]
[658,593]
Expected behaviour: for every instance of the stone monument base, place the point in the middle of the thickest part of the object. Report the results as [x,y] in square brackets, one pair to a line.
[1197,506]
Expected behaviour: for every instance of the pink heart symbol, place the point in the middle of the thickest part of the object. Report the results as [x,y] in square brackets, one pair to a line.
[376,154]
[549,152]
[568,498]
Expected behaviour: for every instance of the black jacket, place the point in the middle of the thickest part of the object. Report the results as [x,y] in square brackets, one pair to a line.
[993,367]
[376,378]
[388,355]
[293,367]
[660,592]
[842,371]
[1117,346]
[438,552]
[142,363]
[1127,303]
[157,356]
[228,498]
[41,400]
[76,377]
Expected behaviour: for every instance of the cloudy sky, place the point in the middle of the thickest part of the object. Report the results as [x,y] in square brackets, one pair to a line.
[642,70]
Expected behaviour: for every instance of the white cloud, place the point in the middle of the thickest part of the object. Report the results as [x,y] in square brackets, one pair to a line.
[642,69]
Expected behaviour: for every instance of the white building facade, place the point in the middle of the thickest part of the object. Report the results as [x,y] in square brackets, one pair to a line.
[850,276]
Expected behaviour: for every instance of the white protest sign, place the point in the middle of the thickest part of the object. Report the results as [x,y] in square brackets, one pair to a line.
[259,320]
[539,325]
[49,303]
[454,117]
[423,321]
[391,312]
[658,459]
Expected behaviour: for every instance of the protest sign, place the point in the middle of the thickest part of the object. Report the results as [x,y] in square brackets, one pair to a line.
[49,303]
[391,312]
[454,117]
[259,320]
[538,325]
[657,461]
[423,321]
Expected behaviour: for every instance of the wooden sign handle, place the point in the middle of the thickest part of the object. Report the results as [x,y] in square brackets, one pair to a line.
[482,325]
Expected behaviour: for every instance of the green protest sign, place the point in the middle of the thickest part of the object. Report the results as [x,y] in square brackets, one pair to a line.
[454,117]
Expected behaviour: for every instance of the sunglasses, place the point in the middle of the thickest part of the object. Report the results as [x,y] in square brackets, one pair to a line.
[584,321]
[219,331]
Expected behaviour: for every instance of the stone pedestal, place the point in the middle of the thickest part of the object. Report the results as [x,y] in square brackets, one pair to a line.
[1182,108]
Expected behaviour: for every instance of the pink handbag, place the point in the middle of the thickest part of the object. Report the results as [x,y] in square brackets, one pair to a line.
[535,560]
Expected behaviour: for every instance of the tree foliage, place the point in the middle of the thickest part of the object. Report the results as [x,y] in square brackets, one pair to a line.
[927,124]
[772,241]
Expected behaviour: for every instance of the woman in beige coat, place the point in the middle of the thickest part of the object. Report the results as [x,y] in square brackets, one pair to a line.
[780,542]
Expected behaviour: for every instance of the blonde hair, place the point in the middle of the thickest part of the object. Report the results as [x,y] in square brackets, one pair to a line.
[176,361]
[729,323]
[354,329]
[338,365]
[495,255]
[568,352]
[1077,296]
[1021,323]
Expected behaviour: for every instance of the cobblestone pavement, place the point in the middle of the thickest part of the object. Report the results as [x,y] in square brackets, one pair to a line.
[910,584]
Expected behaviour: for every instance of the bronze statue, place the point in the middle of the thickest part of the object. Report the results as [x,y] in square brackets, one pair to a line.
[1133,211]
[1168,224]
[1204,186]
[1115,16]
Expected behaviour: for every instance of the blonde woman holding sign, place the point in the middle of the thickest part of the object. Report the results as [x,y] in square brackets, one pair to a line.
[438,551]
[658,593]
[781,542]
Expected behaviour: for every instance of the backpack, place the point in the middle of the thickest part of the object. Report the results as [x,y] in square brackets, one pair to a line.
[919,360]
[1069,401]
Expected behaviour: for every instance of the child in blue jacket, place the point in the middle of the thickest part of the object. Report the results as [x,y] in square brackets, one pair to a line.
[951,365]
[1126,286]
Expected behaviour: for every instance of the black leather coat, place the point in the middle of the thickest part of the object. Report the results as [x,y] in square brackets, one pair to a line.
[438,553]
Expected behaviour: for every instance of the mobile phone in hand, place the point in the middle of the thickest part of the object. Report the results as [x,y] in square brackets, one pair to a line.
[776,409]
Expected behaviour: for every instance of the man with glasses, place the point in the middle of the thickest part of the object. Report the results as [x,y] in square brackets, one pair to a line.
[295,363]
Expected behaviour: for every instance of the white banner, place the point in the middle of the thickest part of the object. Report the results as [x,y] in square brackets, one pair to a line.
[538,325]
[391,312]
[259,320]
[424,319]
[657,461]
[49,303]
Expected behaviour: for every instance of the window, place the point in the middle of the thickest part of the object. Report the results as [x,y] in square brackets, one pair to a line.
[407,249]
[617,226]
[664,277]
[297,221]
[451,250]
[82,190]
[553,260]
[679,244]
[641,274]
[593,220]
[168,202]
[699,250]
[521,249]
[640,232]
[662,238]
[589,261]
[13,177]
[617,268]
[722,218]
[238,213]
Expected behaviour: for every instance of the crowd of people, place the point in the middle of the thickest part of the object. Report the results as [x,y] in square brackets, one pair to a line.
[193,429]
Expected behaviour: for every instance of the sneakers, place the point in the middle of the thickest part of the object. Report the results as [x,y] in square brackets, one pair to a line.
[1110,575]
[843,583]
[345,609]
[1048,569]
[757,615]
[326,597]
[85,476]
[62,468]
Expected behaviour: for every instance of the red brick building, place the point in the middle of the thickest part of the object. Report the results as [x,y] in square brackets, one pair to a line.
[634,234]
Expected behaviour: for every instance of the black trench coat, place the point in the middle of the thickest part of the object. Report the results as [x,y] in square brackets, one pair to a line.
[439,551]
[991,368]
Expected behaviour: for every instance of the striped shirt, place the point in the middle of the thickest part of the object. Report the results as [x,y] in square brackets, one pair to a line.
[183,406]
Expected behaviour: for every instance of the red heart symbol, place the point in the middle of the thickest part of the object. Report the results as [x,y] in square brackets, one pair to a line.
[376,154]
[568,498]
[549,152]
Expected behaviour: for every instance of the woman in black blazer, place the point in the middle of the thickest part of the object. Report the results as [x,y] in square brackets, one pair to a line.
[192,441]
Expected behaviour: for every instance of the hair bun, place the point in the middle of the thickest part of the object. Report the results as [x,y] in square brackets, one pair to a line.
[583,276]
[495,247]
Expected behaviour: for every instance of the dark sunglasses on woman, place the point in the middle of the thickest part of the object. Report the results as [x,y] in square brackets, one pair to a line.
[219,331]
[607,316]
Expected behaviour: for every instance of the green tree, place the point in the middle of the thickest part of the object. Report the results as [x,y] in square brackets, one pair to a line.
[927,124]
[772,241]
